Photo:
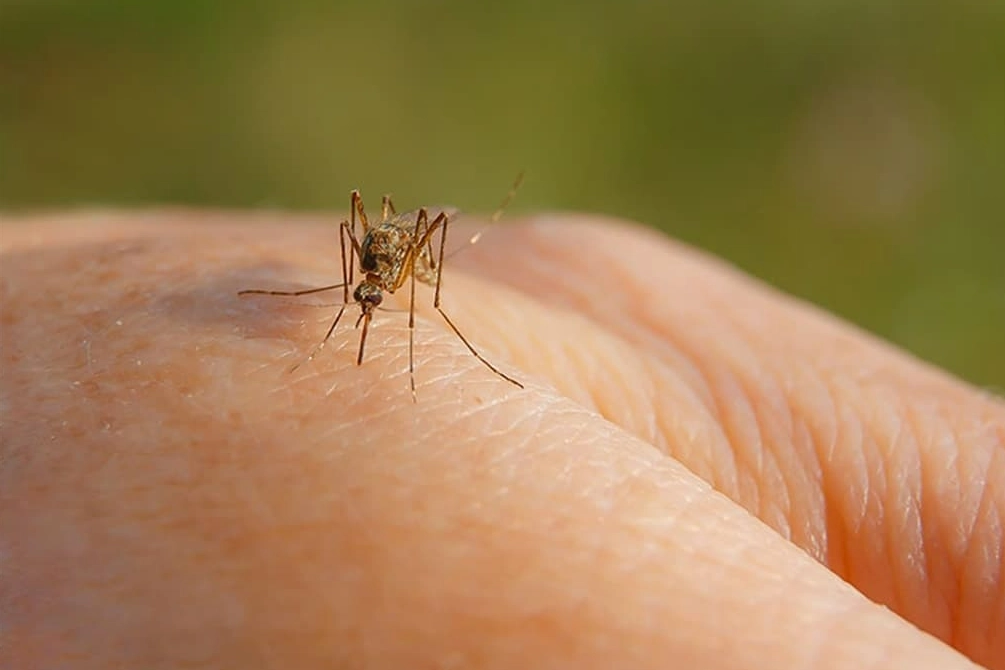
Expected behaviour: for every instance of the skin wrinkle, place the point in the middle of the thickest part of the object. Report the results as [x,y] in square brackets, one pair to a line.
[748,463]
[982,568]
[902,490]
[996,621]
[814,406]
[775,475]
[940,485]
[872,526]
[913,577]
[633,387]
[807,527]
[940,568]
[585,389]
[724,469]
[792,455]
[771,438]
[672,396]
[782,448]
[987,478]
[972,477]
[968,592]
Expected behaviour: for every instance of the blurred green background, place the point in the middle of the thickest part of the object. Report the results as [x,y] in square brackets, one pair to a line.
[849,151]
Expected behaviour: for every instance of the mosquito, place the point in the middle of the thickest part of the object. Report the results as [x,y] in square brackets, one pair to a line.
[395,250]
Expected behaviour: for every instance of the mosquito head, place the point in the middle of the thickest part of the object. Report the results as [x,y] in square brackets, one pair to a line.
[369,296]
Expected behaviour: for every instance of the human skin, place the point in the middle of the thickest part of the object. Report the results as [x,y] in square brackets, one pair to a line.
[700,472]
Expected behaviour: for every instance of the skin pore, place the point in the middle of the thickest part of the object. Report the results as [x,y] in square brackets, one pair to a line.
[701,472]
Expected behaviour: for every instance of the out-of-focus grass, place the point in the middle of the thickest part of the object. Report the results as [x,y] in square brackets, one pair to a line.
[851,152]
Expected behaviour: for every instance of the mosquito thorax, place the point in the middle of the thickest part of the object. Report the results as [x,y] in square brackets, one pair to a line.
[367,258]
[385,247]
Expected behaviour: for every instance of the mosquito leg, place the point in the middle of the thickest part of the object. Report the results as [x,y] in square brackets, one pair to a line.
[356,203]
[416,244]
[344,231]
[439,265]
[427,237]
[433,264]
[420,220]
[347,269]
[386,208]
[352,217]
[442,220]
[354,243]
[346,277]
[321,344]
[356,210]
[475,351]
[308,291]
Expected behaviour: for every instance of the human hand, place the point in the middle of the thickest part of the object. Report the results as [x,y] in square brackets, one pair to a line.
[170,496]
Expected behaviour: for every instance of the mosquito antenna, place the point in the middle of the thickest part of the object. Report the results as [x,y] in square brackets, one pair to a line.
[495,216]
[509,197]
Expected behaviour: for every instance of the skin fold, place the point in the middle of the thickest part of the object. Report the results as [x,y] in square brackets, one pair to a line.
[701,472]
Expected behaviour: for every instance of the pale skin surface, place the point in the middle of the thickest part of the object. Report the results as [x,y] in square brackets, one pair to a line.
[170,497]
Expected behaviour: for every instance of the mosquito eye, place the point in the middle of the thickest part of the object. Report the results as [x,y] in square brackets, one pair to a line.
[375,299]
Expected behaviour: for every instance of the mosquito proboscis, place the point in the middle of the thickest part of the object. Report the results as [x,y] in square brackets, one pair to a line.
[396,249]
